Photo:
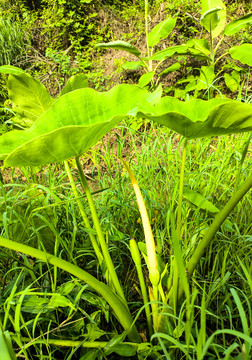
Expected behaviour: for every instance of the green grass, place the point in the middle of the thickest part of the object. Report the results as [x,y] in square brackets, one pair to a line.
[41,304]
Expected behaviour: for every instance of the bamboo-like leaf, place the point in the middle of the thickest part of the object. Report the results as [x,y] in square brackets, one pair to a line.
[161,31]
[154,274]
[173,67]
[241,310]
[243,53]
[199,118]
[120,45]
[175,51]
[6,349]
[199,201]
[180,262]
[237,24]
[76,121]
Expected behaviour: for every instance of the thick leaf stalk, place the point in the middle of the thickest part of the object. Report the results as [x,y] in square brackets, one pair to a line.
[103,244]
[137,260]
[181,185]
[150,243]
[83,214]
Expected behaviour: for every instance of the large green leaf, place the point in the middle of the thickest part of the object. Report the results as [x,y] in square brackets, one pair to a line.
[30,97]
[208,6]
[6,349]
[75,82]
[206,77]
[242,53]
[200,45]
[146,78]
[198,118]
[237,24]
[210,19]
[161,31]
[175,51]
[169,52]
[76,121]
[120,45]
[9,69]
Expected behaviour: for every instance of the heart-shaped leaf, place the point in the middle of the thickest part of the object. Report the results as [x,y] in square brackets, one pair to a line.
[29,96]
[218,20]
[76,121]
[198,118]
[200,45]
[237,24]
[145,79]
[75,82]
[161,31]
[232,81]
[120,45]
[206,77]
[242,53]
[210,19]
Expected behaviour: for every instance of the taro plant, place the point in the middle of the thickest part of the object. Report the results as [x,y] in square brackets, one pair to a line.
[153,38]
[75,122]
[192,119]
[28,98]
[213,19]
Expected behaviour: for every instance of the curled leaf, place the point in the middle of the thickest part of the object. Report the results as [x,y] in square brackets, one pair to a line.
[76,121]
[199,118]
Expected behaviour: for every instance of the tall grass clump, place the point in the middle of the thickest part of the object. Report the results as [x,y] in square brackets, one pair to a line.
[40,212]
[12,40]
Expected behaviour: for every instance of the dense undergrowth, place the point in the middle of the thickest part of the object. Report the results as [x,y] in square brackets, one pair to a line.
[48,311]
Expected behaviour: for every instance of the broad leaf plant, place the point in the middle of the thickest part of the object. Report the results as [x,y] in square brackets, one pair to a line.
[67,127]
